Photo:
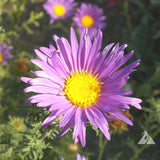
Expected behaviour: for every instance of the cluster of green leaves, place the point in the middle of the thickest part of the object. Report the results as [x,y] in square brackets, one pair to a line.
[21,139]
[13,12]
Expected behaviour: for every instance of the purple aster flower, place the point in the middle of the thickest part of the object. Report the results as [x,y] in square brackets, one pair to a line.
[4,53]
[59,9]
[90,16]
[78,82]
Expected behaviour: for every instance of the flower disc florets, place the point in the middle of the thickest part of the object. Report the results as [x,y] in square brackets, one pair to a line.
[82,89]
[59,10]
[87,21]
[90,16]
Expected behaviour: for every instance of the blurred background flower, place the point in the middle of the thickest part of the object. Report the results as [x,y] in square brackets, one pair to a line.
[59,9]
[22,65]
[90,16]
[17,124]
[5,53]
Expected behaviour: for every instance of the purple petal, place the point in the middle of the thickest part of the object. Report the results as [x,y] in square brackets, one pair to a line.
[43,82]
[47,51]
[90,117]
[53,116]
[41,55]
[101,121]
[67,127]
[67,116]
[48,70]
[59,105]
[42,89]
[26,79]
[74,46]
[64,54]
[122,117]
[77,122]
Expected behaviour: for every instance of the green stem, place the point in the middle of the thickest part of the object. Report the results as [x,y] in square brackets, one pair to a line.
[102,149]
[141,149]
[46,134]
[100,140]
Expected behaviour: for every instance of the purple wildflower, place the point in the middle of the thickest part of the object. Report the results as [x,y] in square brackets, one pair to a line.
[90,16]
[77,158]
[80,158]
[59,9]
[4,53]
[78,82]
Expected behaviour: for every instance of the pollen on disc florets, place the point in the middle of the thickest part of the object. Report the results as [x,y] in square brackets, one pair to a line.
[59,10]
[87,21]
[82,89]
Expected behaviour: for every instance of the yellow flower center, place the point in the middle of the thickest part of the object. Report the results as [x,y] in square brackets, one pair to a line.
[87,21]
[59,10]
[82,89]
[1,57]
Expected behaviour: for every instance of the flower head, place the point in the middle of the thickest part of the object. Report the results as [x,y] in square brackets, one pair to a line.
[59,9]
[4,53]
[78,82]
[90,16]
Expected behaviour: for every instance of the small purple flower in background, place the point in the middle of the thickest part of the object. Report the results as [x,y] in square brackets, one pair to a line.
[5,53]
[59,9]
[78,82]
[77,158]
[90,16]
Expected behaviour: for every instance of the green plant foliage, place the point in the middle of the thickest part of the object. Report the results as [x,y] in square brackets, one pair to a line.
[25,25]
